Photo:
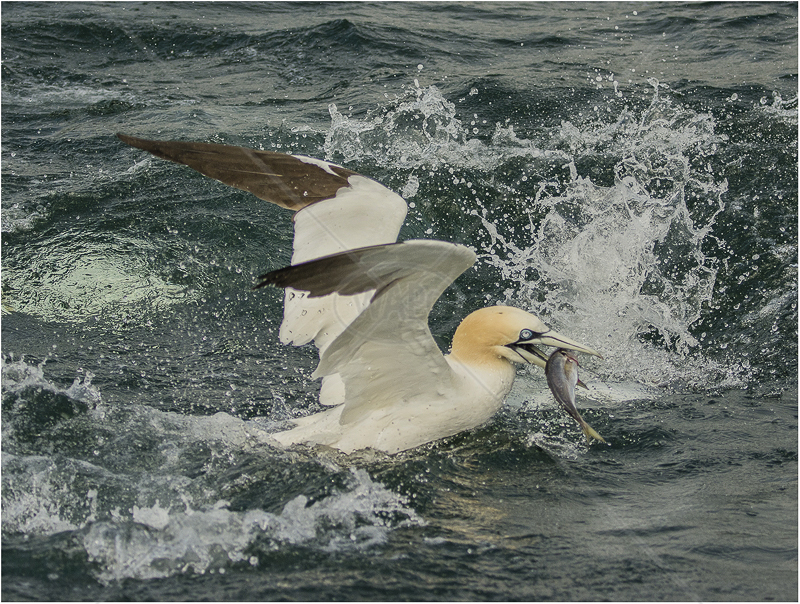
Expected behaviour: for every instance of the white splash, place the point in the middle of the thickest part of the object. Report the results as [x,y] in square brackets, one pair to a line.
[620,265]
[784,111]
[19,375]
[611,264]
[33,497]
[418,129]
[159,543]
[145,517]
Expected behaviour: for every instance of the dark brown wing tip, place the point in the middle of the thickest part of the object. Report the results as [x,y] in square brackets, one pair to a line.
[341,273]
[132,140]
[293,275]
[162,149]
[264,280]
[279,178]
[280,277]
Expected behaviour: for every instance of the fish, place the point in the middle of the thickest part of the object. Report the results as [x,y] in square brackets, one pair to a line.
[561,370]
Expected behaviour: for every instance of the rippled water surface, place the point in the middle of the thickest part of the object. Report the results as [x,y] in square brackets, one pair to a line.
[628,172]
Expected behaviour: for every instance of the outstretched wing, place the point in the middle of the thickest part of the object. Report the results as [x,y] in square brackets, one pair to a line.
[337,210]
[289,181]
[387,353]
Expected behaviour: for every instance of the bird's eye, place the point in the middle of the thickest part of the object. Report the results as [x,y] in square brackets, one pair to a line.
[525,334]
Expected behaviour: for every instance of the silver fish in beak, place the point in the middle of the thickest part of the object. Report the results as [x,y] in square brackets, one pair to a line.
[530,353]
[561,370]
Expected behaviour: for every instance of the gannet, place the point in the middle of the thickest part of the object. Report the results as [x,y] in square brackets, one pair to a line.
[364,300]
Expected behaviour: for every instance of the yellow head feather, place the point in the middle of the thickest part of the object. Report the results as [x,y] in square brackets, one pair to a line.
[483,336]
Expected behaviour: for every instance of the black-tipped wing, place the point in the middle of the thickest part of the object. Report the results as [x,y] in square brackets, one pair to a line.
[387,353]
[292,182]
[341,210]
[347,273]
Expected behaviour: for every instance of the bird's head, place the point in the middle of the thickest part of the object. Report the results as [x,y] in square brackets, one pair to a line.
[506,332]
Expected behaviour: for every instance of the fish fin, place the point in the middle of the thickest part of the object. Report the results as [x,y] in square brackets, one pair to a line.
[582,385]
[591,433]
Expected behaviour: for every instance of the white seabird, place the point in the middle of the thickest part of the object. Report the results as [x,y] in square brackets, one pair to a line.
[364,300]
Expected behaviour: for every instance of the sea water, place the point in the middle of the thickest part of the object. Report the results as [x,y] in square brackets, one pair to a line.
[628,172]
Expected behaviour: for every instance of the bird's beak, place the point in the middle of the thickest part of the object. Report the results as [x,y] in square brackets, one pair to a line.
[528,351]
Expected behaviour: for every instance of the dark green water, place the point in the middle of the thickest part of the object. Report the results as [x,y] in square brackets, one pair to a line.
[628,172]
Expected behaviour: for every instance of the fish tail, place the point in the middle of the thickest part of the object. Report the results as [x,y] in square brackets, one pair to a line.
[591,433]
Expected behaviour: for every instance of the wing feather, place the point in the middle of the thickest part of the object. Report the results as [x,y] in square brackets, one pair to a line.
[387,351]
[293,182]
[337,210]
[363,299]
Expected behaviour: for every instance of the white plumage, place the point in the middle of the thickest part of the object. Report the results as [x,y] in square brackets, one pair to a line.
[364,301]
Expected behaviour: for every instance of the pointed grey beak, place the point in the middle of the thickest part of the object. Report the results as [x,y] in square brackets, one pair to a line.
[531,354]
